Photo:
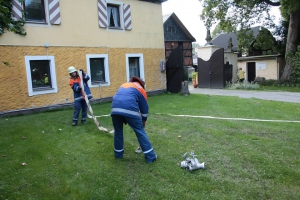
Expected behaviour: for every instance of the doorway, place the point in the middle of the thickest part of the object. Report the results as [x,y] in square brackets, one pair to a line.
[174,70]
[251,71]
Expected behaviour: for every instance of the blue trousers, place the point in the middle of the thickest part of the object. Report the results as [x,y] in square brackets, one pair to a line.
[80,106]
[137,126]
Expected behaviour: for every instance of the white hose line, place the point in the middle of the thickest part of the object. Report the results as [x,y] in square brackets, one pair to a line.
[227,118]
[101,128]
[223,118]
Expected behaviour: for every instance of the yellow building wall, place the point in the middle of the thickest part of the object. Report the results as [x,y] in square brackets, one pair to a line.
[232,59]
[79,27]
[270,72]
[13,78]
[77,35]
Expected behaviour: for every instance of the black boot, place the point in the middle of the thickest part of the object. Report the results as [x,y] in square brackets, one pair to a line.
[74,123]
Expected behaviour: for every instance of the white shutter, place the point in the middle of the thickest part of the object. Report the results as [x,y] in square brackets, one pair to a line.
[127,17]
[102,13]
[54,12]
[17,9]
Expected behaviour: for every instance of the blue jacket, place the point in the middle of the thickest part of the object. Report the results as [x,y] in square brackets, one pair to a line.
[75,85]
[131,101]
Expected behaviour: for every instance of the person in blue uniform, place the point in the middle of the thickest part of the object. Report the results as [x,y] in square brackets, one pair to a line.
[130,106]
[79,96]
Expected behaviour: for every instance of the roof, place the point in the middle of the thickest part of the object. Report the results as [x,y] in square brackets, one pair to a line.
[222,39]
[262,57]
[155,1]
[174,17]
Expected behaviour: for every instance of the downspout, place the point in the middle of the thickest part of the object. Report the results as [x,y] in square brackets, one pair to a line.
[277,67]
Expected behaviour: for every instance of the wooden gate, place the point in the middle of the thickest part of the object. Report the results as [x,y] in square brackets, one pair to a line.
[174,70]
[211,72]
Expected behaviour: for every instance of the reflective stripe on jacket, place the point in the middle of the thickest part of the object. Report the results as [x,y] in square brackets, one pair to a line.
[130,100]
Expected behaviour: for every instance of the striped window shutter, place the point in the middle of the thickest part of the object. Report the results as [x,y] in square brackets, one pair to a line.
[17,9]
[127,17]
[102,13]
[54,12]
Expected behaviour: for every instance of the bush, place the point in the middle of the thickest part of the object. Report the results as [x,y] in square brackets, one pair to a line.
[269,82]
[295,75]
[244,85]
[185,75]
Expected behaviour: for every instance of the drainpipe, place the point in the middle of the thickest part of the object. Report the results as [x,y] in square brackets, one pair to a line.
[277,67]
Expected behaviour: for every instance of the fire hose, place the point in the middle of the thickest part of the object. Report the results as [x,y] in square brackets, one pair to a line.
[91,113]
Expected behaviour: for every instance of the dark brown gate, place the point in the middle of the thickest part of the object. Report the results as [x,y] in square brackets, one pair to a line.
[211,72]
[174,70]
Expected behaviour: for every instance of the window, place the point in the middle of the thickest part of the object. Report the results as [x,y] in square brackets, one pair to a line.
[41,77]
[34,11]
[135,66]
[171,29]
[97,68]
[114,15]
[37,11]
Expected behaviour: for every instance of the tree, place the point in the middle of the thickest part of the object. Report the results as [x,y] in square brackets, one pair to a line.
[6,20]
[240,14]
[265,41]
[194,46]
[8,23]
[217,30]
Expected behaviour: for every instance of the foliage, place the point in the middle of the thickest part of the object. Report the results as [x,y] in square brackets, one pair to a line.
[289,6]
[217,30]
[194,46]
[194,75]
[185,74]
[280,33]
[295,75]
[245,85]
[243,158]
[269,82]
[237,16]
[245,38]
[265,41]
[6,20]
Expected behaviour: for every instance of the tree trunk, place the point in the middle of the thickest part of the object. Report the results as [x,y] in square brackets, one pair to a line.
[291,43]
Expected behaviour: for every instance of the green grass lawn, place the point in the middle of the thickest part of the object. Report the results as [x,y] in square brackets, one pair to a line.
[244,159]
[280,88]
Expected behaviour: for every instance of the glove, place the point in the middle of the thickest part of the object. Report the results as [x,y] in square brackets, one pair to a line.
[144,124]
[81,70]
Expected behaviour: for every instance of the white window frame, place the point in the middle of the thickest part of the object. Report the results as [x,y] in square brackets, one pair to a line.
[121,14]
[141,63]
[53,89]
[47,18]
[106,68]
